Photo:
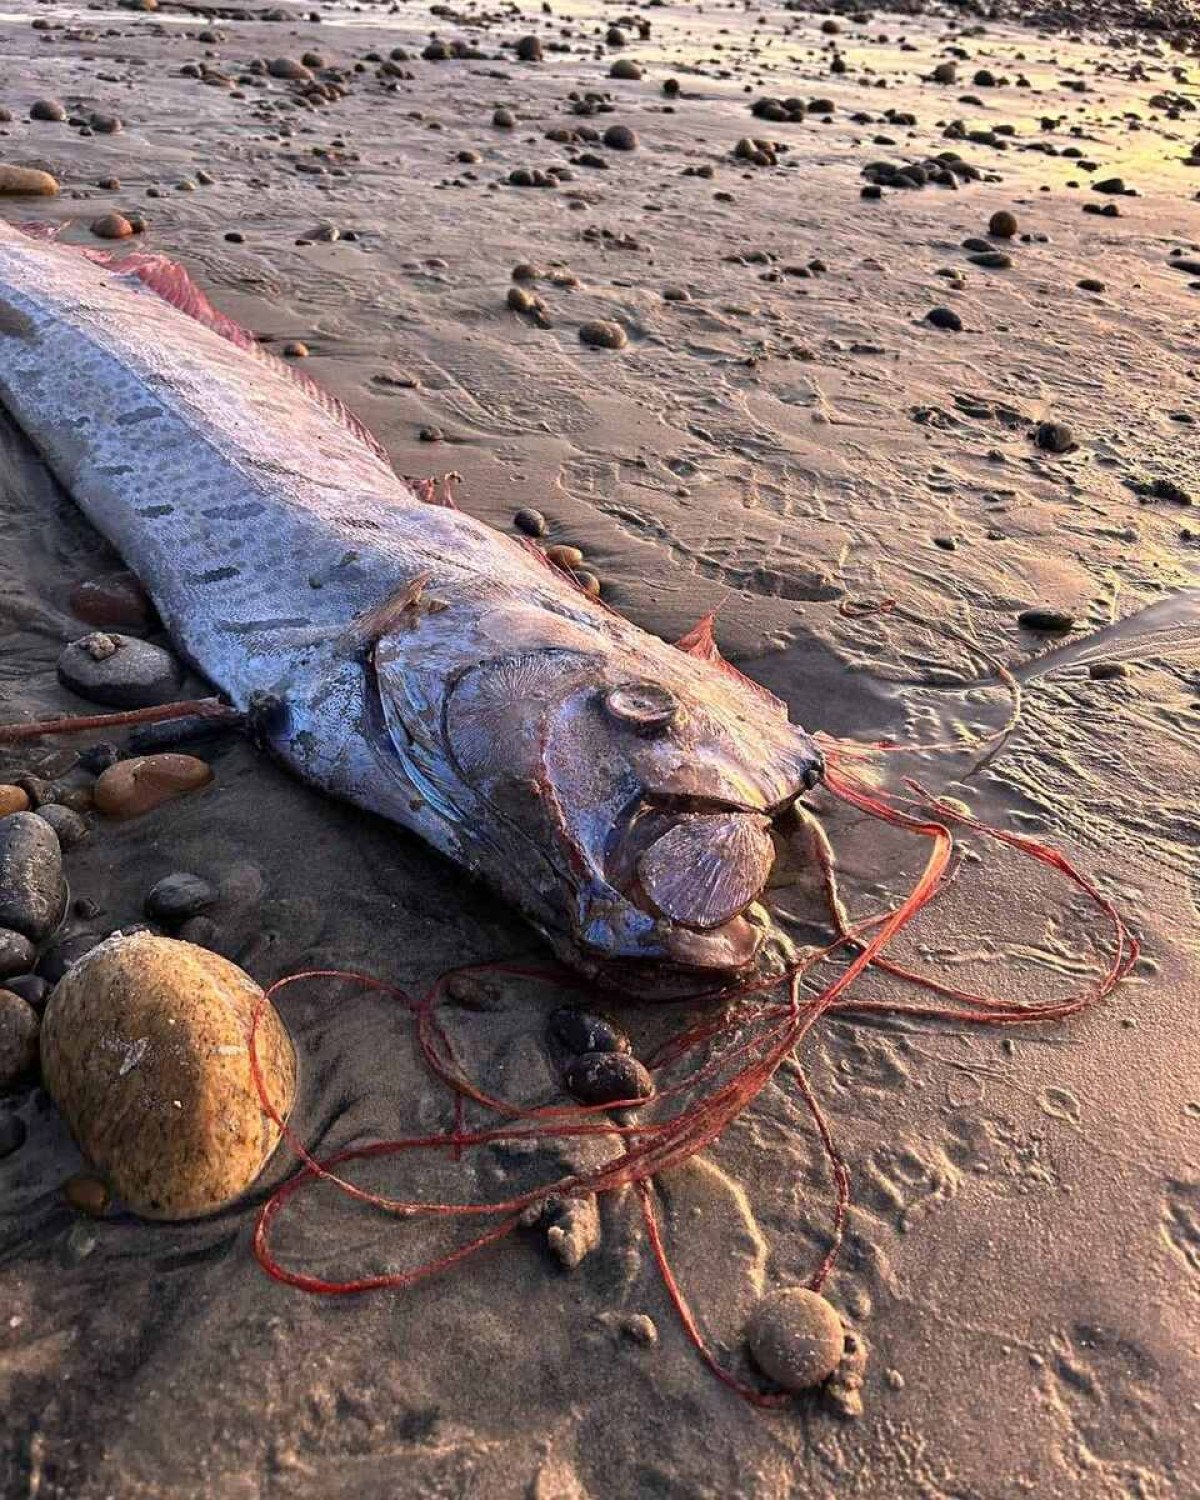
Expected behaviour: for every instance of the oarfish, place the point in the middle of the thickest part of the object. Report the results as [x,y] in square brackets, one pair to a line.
[619,790]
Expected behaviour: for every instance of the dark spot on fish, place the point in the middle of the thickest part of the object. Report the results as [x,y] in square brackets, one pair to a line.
[268,718]
[349,558]
[249,627]
[16,324]
[242,512]
[140,414]
[115,470]
[153,511]
[216,575]
[360,523]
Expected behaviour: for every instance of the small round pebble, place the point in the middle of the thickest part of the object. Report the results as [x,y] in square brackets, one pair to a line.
[13,799]
[620,138]
[529,49]
[625,68]
[1107,671]
[112,599]
[112,227]
[504,119]
[47,109]
[66,822]
[608,1078]
[87,1194]
[1003,224]
[531,522]
[17,953]
[119,670]
[796,1338]
[563,556]
[603,335]
[133,787]
[582,1031]
[1054,437]
[944,317]
[295,349]
[18,1039]
[177,897]
[1046,621]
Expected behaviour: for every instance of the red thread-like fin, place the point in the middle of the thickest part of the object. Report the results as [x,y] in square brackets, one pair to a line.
[701,643]
[437,490]
[168,280]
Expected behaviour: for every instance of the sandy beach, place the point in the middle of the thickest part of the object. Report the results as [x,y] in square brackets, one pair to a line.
[865,499]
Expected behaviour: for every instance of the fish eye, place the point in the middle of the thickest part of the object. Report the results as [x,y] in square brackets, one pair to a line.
[645,707]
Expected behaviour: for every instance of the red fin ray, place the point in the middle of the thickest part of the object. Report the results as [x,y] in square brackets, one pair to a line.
[701,643]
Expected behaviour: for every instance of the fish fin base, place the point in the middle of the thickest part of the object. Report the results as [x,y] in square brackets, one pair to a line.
[701,643]
[368,627]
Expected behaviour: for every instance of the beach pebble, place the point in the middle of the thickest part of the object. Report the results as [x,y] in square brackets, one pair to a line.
[144,1051]
[119,670]
[503,119]
[112,599]
[1046,621]
[1054,437]
[608,1078]
[17,953]
[289,68]
[531,522]
[1107,671]
[944,317]
[12,1134]
[625,68]
[177,897]
[603,335]
[104,124]
[32,891]
[1003,224]
[13,799]
[945,72]
[30,987]
[992,260]
[620,138]
[582,1031]
[796,1338]
[87,1194]
[26,182]
[18,1039]
[133,787]
[563,556]
[295,349]
[112,227]
[66,822]
[529,49]
[47,109]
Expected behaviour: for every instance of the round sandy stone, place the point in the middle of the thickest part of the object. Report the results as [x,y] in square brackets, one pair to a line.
[796,1338]
[144,1050]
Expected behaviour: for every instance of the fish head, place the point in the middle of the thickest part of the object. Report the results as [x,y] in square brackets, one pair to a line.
[625,796]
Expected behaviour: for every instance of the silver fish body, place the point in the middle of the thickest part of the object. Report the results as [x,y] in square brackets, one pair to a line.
[400,654]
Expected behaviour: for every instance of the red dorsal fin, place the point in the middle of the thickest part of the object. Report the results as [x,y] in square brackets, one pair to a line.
[701,643]
[438,489]
[168,280]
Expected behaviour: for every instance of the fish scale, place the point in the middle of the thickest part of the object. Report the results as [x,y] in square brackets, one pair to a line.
[319,590]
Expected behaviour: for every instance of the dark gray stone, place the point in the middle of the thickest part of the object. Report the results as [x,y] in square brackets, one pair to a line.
[119,670]
[177,897]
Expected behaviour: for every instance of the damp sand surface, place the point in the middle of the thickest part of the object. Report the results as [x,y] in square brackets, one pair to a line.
[783,438]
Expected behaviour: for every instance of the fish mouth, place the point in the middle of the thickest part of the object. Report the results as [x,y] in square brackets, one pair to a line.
[696,866]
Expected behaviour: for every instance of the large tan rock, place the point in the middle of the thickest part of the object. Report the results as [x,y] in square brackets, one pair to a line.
[26,182]
[144,1050]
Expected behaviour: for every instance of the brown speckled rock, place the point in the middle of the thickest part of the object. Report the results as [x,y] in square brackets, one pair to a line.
[133,787]
[13,799]
[144,1052]
[18,1039]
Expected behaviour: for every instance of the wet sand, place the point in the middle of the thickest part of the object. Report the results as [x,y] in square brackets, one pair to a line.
[1024,1250]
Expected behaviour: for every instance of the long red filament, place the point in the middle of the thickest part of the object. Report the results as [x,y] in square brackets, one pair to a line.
[764,1033]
